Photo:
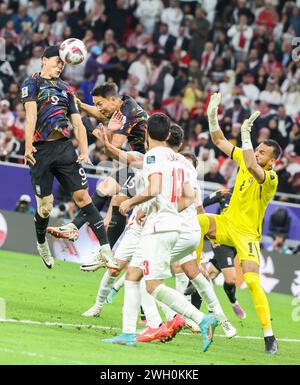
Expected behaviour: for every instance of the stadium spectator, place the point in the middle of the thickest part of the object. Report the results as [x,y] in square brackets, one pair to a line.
[214,175]
[240,35]
[278,245]
[172,16]
[148,12]
[23,205]
[200,28]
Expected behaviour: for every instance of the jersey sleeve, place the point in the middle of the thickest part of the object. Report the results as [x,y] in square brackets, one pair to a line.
[152,165]
[129,111]
[72,108]
[237,155]
[29,90]
[198,200]
[271,181]
[212,198]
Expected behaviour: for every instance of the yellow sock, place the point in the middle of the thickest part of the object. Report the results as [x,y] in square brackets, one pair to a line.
[204,224]
[259,299]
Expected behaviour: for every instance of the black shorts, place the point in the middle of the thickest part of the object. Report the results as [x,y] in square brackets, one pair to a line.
[127,181]
[223,257]
[56,158]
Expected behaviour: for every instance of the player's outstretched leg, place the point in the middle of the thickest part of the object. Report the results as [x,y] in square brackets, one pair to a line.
[230,289]
[262,307]
[41,220]
[115,289]
[156,329]
[179,304]
[106,284]
[70,231]
[132,302]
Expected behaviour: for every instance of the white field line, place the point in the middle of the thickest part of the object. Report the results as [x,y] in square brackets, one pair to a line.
[99,327]
[38,355]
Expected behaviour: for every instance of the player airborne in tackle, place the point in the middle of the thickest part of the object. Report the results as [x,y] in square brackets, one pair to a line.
[241,225]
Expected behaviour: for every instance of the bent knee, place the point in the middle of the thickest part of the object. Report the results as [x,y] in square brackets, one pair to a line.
[45,205]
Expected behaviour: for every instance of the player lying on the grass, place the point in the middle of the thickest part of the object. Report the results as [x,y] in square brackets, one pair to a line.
[50,105]
[223,260]
[241,224]
[184,247]
[128,121]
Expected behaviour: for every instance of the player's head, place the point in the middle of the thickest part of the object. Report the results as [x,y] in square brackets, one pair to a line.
[176,137]
[106,98]
[267,153]
[52,65]
[191,157]
[158,127]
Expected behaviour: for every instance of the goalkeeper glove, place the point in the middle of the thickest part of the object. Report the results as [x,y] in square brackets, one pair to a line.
[246,129]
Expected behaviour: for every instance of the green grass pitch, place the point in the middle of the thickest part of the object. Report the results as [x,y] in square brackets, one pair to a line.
[32,292]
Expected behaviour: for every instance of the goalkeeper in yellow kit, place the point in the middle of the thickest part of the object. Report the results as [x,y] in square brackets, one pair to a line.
[241,225]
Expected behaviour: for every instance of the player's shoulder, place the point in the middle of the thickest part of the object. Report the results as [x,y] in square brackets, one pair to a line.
[272,175]
[32,80]
[156,153]
[131,107]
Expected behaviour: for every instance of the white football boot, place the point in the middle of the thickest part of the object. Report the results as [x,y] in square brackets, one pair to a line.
[45,253]
[94,311]
[94,263]
[228,329]
[68,231]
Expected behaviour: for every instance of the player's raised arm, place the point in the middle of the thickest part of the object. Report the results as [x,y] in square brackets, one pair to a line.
[152,190]
[80,134]
[216,133]
[127,157]
[187,198]
[30,123]
[91,111]
[249,157]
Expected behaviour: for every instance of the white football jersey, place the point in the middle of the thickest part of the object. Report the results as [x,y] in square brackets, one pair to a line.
[189,215]
[162,211]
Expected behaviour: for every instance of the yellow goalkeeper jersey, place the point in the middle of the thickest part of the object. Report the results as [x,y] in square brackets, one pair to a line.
[250,199]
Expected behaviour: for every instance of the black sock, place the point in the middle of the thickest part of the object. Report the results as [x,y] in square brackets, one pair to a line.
[143,317]
[116,226]
[40,227]
[196,300]
[99,202]
[93,217]
[230,291]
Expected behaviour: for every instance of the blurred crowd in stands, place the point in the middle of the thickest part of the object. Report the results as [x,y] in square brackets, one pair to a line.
[170,56]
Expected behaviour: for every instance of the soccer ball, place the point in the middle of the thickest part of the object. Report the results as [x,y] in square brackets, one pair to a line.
[72,51]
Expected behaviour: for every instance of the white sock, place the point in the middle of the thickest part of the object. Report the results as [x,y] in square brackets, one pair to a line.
[178,303]
[181,281]
[105,286]
[131,306]
[207,293]
[149,306]
[268,333]
[119,283]
[169,313]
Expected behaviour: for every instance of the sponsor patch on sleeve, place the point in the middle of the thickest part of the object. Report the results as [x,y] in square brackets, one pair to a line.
[151,159]
[24,92]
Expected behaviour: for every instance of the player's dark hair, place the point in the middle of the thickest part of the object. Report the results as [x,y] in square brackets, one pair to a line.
[277,151]
[106,90]
[159,126]
[190,155]
[176,136]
